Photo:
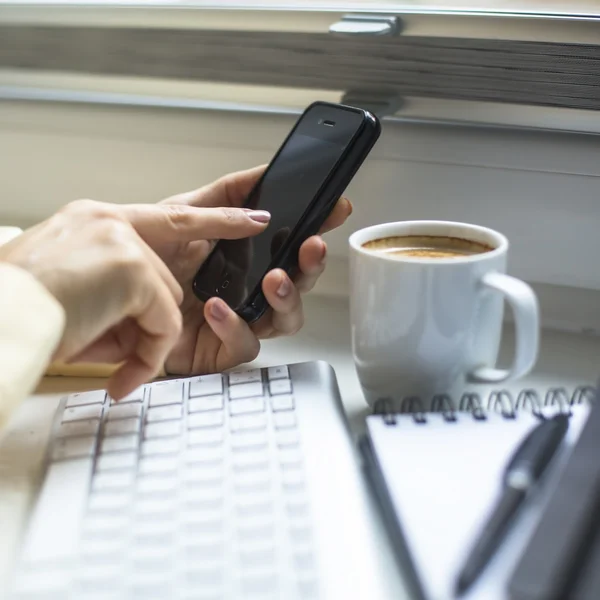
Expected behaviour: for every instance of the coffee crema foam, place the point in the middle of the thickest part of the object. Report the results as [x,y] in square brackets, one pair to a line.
[425,246]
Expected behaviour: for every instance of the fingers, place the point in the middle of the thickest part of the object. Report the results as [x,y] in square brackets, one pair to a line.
[181,223]
[283,296]
[230,190]
[164,273]
[311,261]
[159,321]
[238,342]
[338,216]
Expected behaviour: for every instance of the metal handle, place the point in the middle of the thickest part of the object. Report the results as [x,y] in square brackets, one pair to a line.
[367,25]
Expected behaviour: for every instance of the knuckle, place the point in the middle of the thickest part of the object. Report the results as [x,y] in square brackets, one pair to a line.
[230,215]
[177,214]
[89,207]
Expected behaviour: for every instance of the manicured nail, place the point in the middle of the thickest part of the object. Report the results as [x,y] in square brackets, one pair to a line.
[260,216]
[285,287]
[218,310]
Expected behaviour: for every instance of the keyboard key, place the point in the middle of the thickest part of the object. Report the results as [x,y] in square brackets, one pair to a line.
[110,502]
[119,443]
[200,496]
[205,419]
[297,506]
[257,585]
[75,428]
[292,479]
[249,376]
[157,465]
[284,420]
[77,447]
[108,547]
[203,520]
[115,480]
[256,503]
[281,372]
[116,461]
[250,460]
[242,440]
[256,528]
[205,403]
[207,385]
[124,411]
[204,455]
[161,446]
[308,588]
[203,474]
[155,506]
[248,422]
[136,396]
[256,557]
[166,392]
[121,427]
[94,397]
[82,413]
[153,530]
[283,402]
[157,484]
[164,413]
[287,437]
[280,386]
[246,390]
[158,554]
[164,429]
[206,437]
[252,480]
[289,457]
[248,405]
[100,525]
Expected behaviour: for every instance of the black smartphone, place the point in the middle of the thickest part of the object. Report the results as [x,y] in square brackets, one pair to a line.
[300,188]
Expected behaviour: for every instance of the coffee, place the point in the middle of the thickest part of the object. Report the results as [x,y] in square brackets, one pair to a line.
[425,246]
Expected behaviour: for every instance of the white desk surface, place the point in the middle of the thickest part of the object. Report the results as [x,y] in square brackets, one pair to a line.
[565,359]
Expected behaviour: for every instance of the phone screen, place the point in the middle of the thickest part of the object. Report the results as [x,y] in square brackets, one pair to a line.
[286,190]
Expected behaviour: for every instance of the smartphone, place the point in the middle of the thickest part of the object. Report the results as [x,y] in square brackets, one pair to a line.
[300,188]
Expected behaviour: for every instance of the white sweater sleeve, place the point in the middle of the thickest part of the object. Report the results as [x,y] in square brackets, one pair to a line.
[31,326]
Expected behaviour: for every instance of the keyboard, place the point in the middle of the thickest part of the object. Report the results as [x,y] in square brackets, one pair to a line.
[224,486]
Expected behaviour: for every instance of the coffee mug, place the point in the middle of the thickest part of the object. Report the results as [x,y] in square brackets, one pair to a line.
[426,305]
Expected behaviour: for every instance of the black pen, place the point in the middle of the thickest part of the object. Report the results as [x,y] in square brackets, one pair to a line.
[521,474]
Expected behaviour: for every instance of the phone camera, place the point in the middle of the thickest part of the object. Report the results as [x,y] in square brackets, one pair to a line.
[225,284]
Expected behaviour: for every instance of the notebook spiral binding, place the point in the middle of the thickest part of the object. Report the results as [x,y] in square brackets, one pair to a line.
[500,402]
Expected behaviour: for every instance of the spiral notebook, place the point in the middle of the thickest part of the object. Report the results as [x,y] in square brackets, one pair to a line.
[437,475]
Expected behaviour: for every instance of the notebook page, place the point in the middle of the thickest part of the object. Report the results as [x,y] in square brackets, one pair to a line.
[444,478]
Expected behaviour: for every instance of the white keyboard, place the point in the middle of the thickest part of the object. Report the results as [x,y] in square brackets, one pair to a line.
[215,487]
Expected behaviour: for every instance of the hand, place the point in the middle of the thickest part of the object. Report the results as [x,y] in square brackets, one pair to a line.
[214,338]
[121,301]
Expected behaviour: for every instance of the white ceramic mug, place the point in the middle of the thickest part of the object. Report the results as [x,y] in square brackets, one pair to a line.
[423,326]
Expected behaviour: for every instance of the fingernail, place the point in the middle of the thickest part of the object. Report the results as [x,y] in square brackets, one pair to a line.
[218,310]
[285,287]
[260,216]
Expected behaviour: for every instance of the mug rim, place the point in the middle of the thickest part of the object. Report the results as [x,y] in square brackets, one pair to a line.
[501,248]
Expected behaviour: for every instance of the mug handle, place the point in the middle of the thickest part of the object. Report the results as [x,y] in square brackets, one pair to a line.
[525,309]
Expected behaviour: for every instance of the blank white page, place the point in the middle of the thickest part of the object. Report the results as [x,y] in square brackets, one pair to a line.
[444,479]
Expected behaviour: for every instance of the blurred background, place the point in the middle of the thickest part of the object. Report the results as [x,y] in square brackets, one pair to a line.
[490,113]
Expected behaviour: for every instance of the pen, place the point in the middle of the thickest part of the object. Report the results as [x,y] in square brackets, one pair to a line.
[525,468]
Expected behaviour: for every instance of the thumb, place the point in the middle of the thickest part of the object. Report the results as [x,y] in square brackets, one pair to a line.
[181,223]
